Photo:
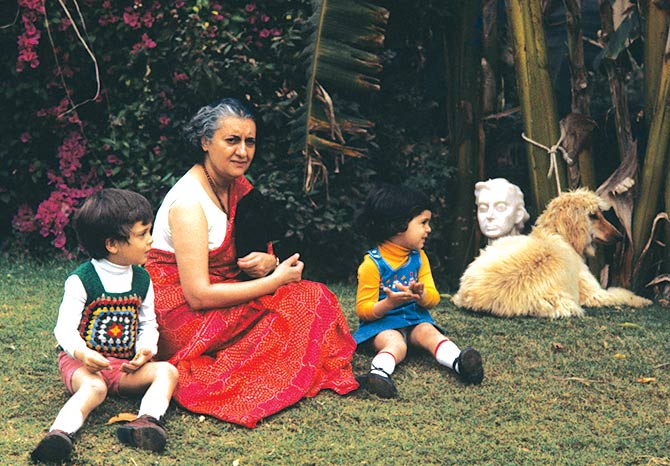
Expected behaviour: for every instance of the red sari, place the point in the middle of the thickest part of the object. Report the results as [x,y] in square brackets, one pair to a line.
[246,362]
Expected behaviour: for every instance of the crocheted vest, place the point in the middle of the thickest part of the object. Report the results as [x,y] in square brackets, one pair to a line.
[109,323]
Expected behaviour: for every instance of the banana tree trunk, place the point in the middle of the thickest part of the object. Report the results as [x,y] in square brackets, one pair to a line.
[656,23]
[462,49]
[654,169]
[536,96]
[655,33]
[581,99]
[490,59]
[616,80]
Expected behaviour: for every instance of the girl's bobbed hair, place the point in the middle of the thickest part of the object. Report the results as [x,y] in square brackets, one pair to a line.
[206,121]
[387,211]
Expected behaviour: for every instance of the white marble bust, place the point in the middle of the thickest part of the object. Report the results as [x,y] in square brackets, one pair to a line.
[500,208]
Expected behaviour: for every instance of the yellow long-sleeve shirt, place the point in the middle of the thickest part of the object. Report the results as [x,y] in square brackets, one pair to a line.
[367,294]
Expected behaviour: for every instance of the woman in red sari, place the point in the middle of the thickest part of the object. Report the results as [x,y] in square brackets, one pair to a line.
[244,349]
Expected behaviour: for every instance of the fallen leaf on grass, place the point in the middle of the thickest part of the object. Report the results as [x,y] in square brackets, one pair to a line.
[629,325]
[557,347]
[122,417]
[619,356]
[578,379]
[646,380]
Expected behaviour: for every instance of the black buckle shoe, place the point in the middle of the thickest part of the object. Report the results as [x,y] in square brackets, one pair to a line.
[470,368]
[380,385]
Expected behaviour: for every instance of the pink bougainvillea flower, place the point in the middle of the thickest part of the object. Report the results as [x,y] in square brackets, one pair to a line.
[25,137]
[249,7]
[147,42]
[179,77]
[112,159]
[24,220]
[132,18]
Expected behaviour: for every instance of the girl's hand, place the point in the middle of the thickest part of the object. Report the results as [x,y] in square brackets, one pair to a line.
[417,288]
[142,357]
[93,361]
[404,293]
[257,264]
[290,270]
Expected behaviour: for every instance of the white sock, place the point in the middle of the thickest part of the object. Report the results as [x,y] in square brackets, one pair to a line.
[153,406]
[384,361]
[446,353]
[68,420]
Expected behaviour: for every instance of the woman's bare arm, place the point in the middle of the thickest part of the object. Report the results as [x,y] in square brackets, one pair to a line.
[189,234]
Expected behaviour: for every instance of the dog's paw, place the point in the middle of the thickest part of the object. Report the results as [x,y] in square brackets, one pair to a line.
[624,297]
[639,301]
[565,312]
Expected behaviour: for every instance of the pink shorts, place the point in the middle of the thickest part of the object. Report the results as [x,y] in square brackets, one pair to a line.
[112,376]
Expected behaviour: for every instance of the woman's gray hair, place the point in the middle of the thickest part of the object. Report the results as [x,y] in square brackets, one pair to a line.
[206,121]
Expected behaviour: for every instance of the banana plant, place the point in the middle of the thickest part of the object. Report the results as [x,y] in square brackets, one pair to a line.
[536,95]
[342,62]
[654,172]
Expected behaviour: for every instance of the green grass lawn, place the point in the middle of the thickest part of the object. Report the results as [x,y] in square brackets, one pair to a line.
[565,392]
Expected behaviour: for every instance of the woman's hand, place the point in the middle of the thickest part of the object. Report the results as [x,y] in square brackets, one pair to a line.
[257,264]
[142,357]
[290,270]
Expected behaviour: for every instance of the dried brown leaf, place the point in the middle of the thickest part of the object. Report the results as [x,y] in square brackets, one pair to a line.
[122,417]
[646,380]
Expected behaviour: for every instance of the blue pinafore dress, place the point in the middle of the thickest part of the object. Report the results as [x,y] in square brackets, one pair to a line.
[406,315]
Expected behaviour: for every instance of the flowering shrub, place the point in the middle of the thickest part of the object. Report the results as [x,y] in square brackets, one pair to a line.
[95,97]
[98,91]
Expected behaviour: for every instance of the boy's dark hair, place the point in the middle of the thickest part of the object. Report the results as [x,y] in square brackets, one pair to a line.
[387,211]
[110,214]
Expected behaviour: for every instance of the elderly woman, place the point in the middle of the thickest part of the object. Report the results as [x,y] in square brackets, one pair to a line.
[244,349]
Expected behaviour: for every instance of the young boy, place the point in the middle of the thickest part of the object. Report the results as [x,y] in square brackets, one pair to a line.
[107,328]
[396,289]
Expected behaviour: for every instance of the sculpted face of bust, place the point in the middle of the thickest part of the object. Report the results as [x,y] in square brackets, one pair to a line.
[500,208]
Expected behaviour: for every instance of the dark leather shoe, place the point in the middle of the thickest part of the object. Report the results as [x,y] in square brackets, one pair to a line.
[470,368]
[380,385]
[56,446]
[145,432]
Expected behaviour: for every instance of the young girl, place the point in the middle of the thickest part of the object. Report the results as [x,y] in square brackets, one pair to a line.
[396,289]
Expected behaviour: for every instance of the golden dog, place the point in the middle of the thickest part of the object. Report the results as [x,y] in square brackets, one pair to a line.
[544,274]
